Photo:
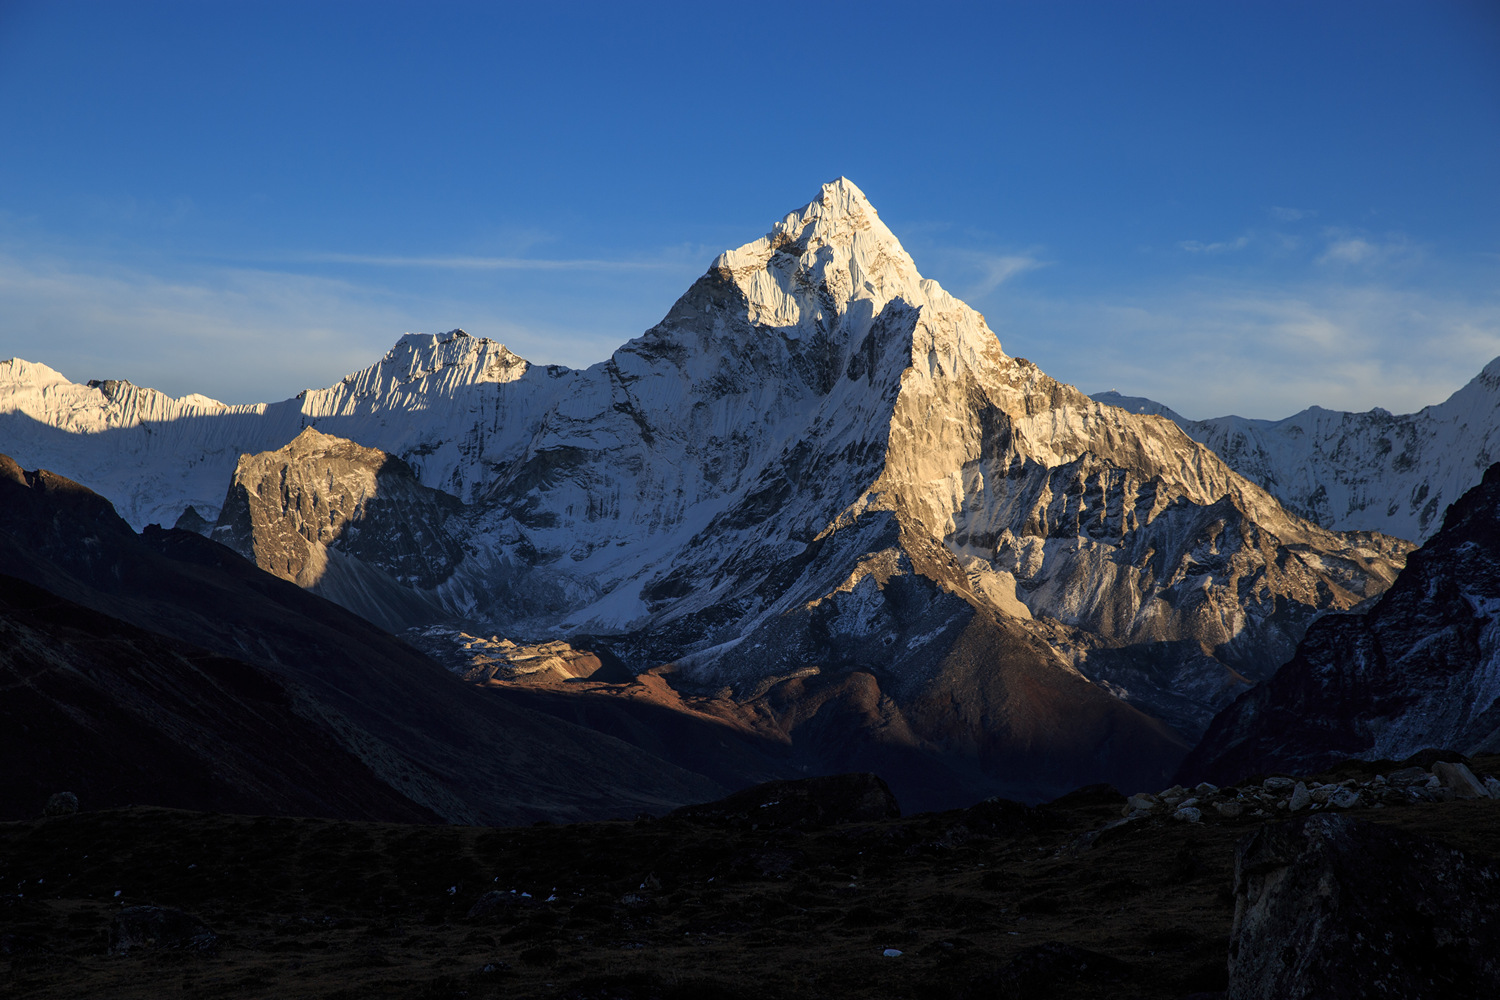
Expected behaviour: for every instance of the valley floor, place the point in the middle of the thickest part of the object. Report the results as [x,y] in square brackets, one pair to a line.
[990,901]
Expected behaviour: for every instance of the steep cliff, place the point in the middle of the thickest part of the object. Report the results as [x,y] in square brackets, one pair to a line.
[1419,669]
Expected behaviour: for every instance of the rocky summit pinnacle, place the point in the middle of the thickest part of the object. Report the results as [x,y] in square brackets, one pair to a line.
[821,486]
[832,259]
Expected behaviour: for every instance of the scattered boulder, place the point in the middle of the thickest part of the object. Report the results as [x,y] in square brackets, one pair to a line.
[1300,798]
[1328,906]
[1459,778]
[1344,798]
[1399,784]
[804,804]
[1434,755]
[159,927]
[61,804]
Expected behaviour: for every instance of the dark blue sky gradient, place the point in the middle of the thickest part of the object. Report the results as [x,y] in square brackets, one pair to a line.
[177,143]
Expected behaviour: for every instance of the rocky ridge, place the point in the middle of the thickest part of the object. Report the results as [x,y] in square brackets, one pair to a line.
[1371,471]
[351,524]
[1419,668]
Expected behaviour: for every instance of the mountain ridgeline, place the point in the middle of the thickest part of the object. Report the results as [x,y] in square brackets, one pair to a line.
[1421,668]
[817,494]
[1395,473]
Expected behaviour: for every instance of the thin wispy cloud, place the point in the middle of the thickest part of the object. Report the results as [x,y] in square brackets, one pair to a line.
[974,274]
[1345,247]
[236,334]
[1226,246]
[461,263]
[1262,350]
[1350,251]
[998,269]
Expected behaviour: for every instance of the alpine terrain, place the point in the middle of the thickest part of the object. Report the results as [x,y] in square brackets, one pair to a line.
[161,667]
[1419,669]
[817,502]
[1373,471]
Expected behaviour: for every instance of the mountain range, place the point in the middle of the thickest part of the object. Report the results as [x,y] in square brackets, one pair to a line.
[817,511]
[1419,669]
[1371,471]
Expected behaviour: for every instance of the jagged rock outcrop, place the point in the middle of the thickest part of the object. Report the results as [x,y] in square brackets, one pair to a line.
[1421,668]
[480,659]
[1332,907]
[820,471]
[351,524]
[1371,471]
[191,520]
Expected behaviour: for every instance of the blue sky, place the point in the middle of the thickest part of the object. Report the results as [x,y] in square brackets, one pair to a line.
[1230,207]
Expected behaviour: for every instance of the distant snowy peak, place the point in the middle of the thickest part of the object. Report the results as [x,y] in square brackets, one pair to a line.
[1140,405]
[48,396]
[1371,471]
[450,359]
[431,399]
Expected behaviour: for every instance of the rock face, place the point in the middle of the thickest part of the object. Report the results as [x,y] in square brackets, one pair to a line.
[191,520]
[348,523]
[1419,669]
[819,469]
[481,660]
[1373,471]
[1332,907]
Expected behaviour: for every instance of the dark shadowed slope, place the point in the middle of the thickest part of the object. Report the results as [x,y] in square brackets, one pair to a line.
[1419,669]
[460,752]
[119,715]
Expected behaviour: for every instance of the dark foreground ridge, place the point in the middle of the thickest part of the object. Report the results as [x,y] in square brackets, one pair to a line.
[1087,896]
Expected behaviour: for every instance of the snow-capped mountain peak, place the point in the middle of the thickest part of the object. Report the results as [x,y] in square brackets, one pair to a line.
[462,360]
[817,461]
[832,259]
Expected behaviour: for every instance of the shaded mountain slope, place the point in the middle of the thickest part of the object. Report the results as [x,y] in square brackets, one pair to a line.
[119,715]
[1421,668]
[463,753]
